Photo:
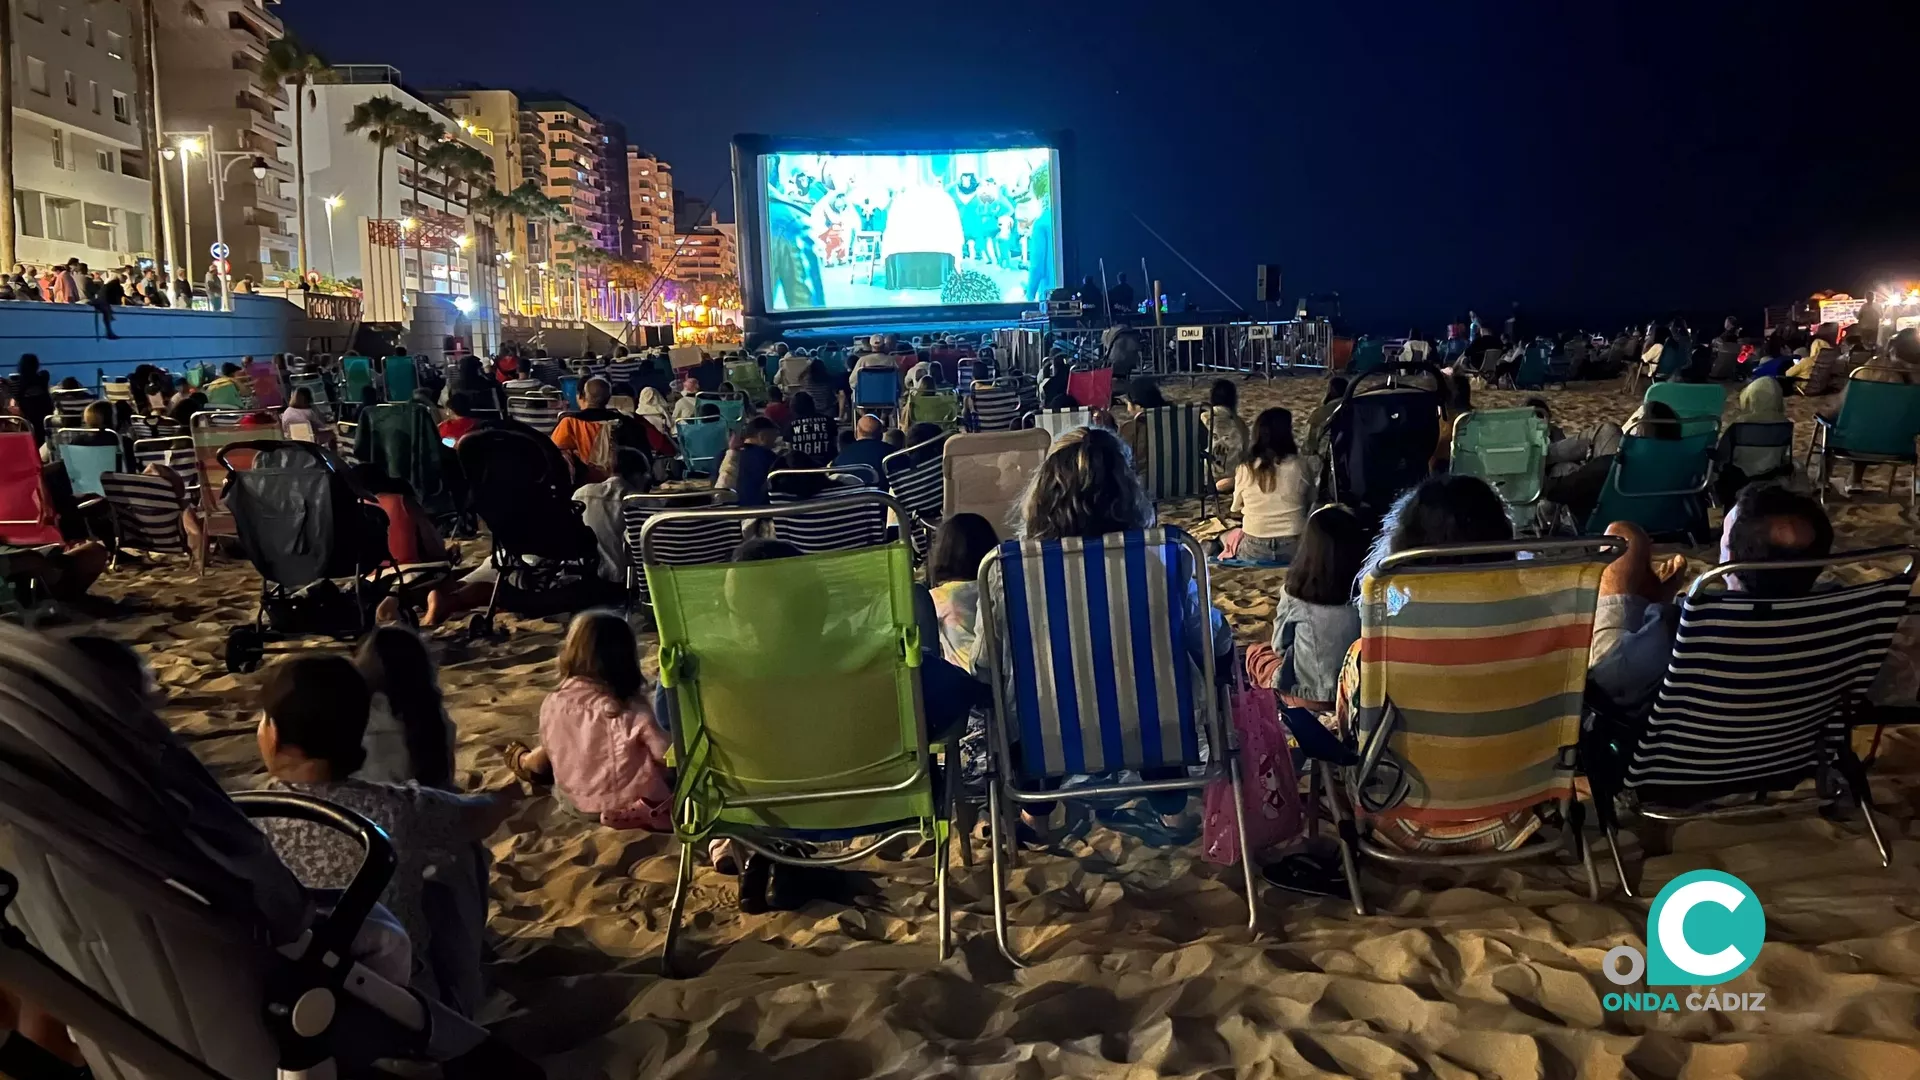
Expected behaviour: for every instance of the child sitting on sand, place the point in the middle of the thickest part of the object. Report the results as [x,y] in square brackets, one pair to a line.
[600,744]
[1314,621]
[953,566]
[311,742]
[409,737]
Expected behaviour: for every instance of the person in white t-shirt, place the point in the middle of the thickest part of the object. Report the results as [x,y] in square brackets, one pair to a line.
[1270,491]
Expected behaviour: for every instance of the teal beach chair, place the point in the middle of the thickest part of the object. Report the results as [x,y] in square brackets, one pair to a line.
[1877,425]
[1508,449]
[1698,405]
[1658,484]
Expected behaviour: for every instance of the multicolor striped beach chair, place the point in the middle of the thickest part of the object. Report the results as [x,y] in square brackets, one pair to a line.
[1761,694]
[753,656]
[1472,663]
[1086,647]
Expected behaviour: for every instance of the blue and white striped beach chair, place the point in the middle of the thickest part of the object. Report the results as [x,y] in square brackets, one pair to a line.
[831,524]
[539,411]
[146,514]
[921,487]
[993,406]
[681,541]
[1086,646]
[1760,695]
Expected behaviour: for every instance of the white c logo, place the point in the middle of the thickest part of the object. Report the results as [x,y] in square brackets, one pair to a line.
[1673,934]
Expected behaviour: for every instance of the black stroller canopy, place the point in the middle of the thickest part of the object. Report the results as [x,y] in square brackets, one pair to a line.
[87,767]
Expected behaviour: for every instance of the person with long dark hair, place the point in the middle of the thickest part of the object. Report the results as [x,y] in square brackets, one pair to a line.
[1271,491]
[409,738]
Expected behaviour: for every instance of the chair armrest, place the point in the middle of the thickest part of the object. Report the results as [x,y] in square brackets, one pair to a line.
[336,932]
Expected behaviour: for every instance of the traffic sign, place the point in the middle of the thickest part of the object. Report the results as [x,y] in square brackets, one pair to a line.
[220,266]
[219,250]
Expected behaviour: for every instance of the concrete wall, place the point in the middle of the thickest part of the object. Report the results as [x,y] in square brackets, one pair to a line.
[68,339]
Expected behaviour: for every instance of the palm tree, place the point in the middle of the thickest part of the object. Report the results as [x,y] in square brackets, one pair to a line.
[6,140]
[288,61]
[583,254]
[500,209]
[387,124]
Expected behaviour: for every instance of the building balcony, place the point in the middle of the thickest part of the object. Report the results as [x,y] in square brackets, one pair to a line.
[254,17]
[279,133]
[268,199]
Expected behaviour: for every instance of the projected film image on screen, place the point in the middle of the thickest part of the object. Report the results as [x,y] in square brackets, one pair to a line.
[910,229]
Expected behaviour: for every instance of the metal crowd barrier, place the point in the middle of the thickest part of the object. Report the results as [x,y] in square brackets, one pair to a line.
[1262,349]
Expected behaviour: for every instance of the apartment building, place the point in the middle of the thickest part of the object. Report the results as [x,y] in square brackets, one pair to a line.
[443,250]
[649,222]
[492,118]
[613,178]
[566,138]
[708,250]
[209,57]
[80,180]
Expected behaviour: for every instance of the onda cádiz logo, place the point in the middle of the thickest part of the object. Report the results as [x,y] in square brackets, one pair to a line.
[1704,928]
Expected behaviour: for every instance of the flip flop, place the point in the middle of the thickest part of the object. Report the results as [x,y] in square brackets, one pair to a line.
[1305,874]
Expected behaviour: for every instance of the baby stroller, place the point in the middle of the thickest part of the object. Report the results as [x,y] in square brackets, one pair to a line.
[545,560]
[303,525]
[140,905]
[1381,437]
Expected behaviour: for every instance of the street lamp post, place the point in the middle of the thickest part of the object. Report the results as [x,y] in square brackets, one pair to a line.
[332,203]
[219,163]
[185,146]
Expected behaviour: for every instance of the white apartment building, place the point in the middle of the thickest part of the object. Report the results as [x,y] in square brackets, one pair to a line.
[342,169]
[80,182]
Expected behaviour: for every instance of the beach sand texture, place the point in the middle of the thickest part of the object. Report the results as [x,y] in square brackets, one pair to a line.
[1145,967]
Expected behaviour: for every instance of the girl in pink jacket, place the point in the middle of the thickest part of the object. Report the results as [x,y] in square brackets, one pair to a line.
[598,735]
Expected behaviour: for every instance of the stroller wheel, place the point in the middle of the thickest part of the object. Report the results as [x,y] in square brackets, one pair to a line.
[480,626]
[245,648]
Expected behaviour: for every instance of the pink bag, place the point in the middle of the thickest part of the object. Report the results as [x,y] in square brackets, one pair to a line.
[1092,389]
[1272,790]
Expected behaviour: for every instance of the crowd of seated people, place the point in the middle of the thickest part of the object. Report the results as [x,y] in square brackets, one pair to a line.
[372,733]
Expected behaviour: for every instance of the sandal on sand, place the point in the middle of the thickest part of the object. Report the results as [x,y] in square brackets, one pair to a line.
[1303,873]
[516,754]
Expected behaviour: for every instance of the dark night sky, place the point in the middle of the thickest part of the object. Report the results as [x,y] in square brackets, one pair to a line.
[1596,161]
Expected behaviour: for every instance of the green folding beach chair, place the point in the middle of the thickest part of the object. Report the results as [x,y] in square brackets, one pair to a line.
[748,377]
[1658,484]
[762,661]
[1877,425]
[1698,405]
[1508,449]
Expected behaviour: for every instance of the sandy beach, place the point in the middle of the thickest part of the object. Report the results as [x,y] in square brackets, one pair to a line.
[1145,967]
